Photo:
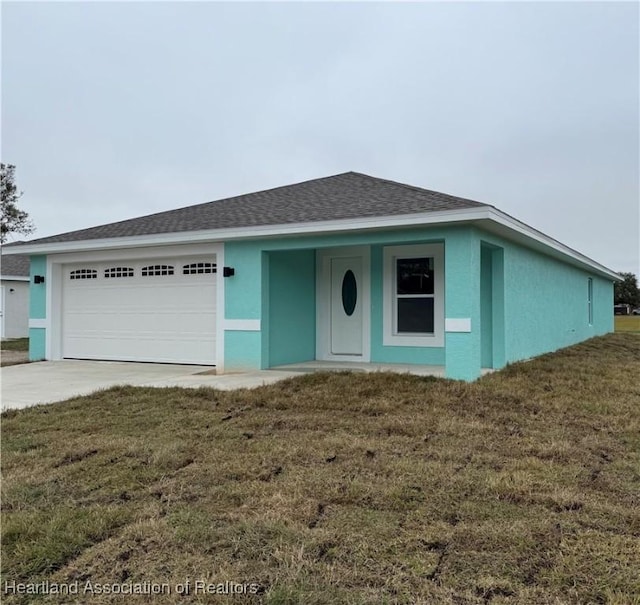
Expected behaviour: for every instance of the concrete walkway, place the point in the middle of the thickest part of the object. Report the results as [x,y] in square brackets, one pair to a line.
[50,381]
[355,366]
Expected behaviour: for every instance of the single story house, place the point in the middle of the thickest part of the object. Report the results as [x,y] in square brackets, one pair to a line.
[343,268]
[14,295]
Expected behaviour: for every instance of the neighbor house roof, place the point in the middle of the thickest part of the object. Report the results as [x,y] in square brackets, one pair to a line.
[14,265]
[344,196]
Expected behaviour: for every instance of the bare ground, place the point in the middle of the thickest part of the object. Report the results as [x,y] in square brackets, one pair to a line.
[10,358]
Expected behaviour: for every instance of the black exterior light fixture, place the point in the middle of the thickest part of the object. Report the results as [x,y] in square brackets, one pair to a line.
[228,271]
[38,279]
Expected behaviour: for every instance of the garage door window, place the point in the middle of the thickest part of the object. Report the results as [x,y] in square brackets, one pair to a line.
[83,274]
[157,270]
[195,268]
[118,272]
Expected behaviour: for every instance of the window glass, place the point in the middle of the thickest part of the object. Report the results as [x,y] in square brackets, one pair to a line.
[197,268]
[157,270]
[118,272]
[415,315]
[83,274]
[413,295]
[414,275]
[349,292]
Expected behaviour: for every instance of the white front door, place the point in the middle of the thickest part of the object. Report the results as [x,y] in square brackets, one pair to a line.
[343,304]
[346,306]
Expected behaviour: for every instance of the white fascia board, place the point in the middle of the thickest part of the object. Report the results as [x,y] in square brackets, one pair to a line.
[499,217]
[259,232]
[466,215]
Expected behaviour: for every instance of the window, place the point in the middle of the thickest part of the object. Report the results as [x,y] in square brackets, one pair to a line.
[157,270]
[590,300]
[83,274]
[414,296]
[195,268]
[413,293]
[118,272]
[349,293]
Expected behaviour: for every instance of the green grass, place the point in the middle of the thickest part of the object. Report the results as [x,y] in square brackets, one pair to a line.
[17,344]
[627,323]
[520,488]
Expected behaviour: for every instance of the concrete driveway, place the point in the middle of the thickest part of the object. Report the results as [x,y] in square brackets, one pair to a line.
[50,381]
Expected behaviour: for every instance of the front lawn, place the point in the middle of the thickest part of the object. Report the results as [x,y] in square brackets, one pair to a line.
[15,344]
[627,323]
[339,488]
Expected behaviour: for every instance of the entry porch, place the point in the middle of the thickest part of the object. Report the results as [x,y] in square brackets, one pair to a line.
[430,304]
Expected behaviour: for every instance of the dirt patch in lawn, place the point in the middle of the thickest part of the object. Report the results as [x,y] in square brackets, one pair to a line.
[11,358]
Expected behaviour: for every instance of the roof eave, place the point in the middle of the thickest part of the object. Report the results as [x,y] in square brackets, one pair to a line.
[548,244]
[255,232]
[465,215]
[14,277]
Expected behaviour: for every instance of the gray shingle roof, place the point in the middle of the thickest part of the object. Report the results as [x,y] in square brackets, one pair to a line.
[344,196]
[14,264]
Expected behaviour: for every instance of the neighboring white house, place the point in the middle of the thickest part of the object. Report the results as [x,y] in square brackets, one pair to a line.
[14,296]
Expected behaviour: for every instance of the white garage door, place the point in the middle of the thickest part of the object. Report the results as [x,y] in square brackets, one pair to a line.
[144,310]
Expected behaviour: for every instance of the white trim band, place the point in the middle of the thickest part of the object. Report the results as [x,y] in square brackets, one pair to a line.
[242,325]
[39,323]
[458,324]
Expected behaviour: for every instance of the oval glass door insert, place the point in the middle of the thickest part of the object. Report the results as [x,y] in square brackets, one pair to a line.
[349,292]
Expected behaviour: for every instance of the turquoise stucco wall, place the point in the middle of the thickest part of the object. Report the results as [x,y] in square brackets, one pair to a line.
[291,333]
[243,291]
[545,302]
[492,306]
[546,305]
[37,344]
[37,308]
[37,292]
[462,296]
[252,297]
[520,302]
[242,351]
[497,306]
[486,307]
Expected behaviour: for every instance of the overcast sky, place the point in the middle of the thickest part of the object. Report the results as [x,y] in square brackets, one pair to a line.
[116,110]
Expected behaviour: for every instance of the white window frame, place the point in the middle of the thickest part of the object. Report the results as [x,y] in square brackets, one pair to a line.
[389,335]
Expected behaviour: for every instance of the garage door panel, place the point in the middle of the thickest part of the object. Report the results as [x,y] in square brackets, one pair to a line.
[153,348]
[135,323]
[162,318]
[144,295]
